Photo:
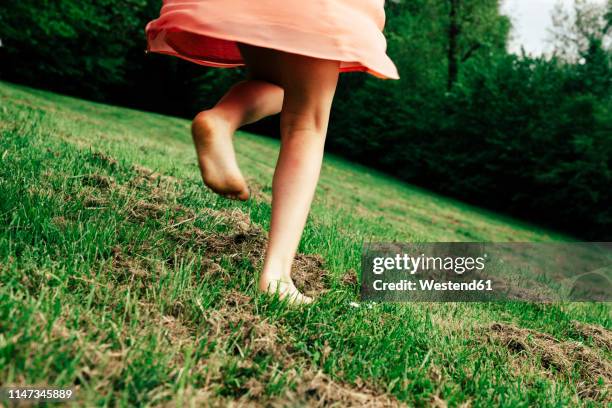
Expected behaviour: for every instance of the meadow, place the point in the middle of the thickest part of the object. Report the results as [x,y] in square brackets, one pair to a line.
[123,277]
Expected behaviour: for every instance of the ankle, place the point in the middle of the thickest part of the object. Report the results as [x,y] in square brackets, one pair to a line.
[276,269]
[268,276]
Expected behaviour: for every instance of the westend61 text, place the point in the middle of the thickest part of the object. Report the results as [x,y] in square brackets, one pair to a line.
[432,285]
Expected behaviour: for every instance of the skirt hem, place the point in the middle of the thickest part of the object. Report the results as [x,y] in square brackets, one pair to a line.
[158,43]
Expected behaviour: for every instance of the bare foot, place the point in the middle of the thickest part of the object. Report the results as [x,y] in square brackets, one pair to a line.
[213,142]
[285,289]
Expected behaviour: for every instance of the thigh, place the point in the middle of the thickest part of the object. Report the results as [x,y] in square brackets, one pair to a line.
[309,83]
[262,63]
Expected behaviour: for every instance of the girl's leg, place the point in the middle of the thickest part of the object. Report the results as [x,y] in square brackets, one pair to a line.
[309,86]
[213,129]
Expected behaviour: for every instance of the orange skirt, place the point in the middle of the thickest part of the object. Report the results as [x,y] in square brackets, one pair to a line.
[206,31]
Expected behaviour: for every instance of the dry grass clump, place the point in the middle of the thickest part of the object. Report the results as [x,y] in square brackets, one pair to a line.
[559,358]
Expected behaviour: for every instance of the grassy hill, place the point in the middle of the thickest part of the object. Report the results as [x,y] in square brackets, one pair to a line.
[121,276]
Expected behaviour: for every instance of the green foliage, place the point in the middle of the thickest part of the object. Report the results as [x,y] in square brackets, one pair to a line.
[86,46]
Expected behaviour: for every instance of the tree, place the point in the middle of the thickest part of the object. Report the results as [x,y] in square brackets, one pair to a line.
[576,30]
[473,25]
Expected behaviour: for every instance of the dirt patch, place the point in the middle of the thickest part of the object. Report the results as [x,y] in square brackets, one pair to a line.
[350,278]
[129,269]
[239,243]
[598,335]
[318,389]
[309,274]
[235,318]
[175,331]
[145,172]
[237,218]
[235,321]
[91,201]
[562,358]
[95,191]
[210,268]
[142,211]
[153,176]
[97,359]
[315,389]
[98,181]
[104,159]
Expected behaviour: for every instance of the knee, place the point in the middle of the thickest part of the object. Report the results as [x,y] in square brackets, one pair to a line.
[313,121]
[306,107]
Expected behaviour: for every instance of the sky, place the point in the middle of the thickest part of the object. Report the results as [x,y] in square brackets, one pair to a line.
[531,20]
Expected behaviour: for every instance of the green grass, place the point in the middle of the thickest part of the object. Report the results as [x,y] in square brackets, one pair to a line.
[121,276]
